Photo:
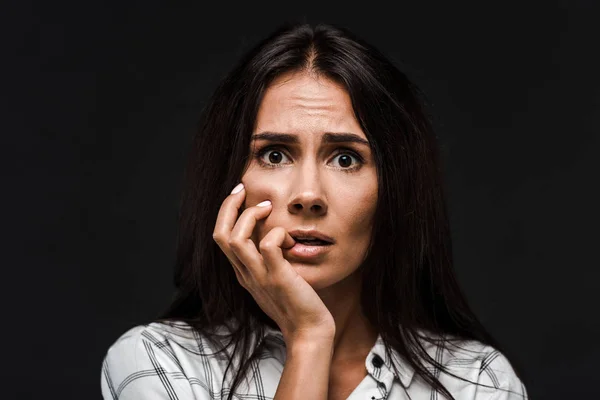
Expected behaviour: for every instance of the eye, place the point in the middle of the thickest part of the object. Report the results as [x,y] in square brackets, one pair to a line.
[345,159]
[274,155]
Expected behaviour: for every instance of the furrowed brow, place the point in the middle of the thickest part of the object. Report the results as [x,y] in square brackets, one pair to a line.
[276,137]
[328,137]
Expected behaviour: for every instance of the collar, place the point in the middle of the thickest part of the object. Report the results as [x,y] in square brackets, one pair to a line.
[378,364]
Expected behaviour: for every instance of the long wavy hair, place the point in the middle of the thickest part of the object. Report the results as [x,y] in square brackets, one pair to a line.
[408,277]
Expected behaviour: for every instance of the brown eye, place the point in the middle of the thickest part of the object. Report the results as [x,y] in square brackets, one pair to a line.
[275,157]
[345,160]
[275,154]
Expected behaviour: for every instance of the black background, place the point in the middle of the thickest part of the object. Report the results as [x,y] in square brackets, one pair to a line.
[99,104]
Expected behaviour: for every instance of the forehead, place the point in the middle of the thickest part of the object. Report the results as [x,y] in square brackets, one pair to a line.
[302,104]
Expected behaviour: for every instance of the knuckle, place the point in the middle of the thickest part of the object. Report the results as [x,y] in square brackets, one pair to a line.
[267,244]
[233,243]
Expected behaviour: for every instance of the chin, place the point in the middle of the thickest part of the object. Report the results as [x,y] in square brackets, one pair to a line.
[318,276]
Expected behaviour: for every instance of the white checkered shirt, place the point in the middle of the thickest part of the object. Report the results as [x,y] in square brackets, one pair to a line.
[158,361]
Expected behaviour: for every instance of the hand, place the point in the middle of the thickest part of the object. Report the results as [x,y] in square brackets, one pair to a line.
[271,280]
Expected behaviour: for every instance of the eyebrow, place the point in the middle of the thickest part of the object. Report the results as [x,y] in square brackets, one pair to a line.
[328,137]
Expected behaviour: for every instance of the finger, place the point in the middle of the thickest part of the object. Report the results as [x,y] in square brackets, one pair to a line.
[226,218]
[240,240]
[271,248]
[228,214]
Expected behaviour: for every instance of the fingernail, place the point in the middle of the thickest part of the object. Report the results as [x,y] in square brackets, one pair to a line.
[263,204]
[238,188]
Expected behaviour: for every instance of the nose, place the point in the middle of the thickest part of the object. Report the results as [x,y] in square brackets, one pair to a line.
[307,197]
[308,203]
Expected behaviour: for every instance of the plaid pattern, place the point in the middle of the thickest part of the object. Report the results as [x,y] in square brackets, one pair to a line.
[158,361]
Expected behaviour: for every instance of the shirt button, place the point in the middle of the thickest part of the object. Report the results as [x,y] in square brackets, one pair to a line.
[377,361]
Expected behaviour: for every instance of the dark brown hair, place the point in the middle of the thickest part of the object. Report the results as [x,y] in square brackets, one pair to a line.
[408,272]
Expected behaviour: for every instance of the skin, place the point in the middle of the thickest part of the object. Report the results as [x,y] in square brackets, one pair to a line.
[309,188]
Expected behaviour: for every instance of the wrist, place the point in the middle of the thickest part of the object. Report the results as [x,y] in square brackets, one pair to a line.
[310,344]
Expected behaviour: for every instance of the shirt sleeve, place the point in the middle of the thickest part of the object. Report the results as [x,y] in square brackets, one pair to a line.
[140,365]
[496,371]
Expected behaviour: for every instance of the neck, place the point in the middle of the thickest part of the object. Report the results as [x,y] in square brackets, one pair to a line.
[354,334]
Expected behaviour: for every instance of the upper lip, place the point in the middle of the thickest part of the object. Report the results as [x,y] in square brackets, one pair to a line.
[310,234]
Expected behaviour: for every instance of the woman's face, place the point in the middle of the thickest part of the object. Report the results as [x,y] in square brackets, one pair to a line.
[313,184]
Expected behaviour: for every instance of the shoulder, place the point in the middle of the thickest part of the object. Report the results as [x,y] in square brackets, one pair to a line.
[475,370]
[135,346]
[149,359]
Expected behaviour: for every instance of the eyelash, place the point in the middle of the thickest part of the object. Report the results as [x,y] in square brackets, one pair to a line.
[258,154]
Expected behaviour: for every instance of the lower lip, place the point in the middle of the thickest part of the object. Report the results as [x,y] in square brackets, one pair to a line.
[307,251]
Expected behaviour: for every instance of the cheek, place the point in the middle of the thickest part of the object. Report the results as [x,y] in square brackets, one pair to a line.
[359,210]
[361,222]
[257,189]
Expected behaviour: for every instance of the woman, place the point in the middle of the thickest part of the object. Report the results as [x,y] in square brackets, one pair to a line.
[327,272]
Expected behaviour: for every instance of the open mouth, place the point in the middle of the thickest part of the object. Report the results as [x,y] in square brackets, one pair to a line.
[309,249]
[312,242]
